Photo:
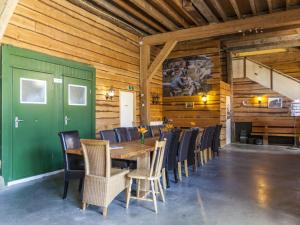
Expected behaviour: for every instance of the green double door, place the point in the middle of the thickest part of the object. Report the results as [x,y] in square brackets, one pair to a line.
[42,106]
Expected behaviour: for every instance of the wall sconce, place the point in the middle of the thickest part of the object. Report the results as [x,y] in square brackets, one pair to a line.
[155,98]
[110,93]
[204,99]
[259,99]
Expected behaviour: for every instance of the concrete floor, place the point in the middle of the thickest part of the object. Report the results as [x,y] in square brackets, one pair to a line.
[238,188]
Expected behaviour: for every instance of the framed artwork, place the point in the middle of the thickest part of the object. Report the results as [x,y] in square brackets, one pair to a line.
[275,102]
[189,105]
[186,76]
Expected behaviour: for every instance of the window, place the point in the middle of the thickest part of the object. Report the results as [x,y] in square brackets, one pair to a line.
[33,91]
[77,95]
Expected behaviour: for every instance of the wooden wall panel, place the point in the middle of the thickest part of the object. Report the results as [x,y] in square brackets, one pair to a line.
[62,29]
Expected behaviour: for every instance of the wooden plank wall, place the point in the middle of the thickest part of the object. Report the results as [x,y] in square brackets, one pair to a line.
[61,29]
[247,91]
[201,115]
[286,62]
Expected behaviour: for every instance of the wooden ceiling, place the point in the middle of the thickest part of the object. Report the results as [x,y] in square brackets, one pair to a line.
[146,17]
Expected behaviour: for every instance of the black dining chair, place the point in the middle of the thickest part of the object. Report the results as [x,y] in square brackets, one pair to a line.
[210,137]
[133,133]
[216,144]
[201,147]
[173,152]
[111,136]
[73,164]
[192,146]
[148,134]
[165,176]
[183,153]
[122,134]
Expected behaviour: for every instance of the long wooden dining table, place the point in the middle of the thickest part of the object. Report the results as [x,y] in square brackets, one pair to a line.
[133,150]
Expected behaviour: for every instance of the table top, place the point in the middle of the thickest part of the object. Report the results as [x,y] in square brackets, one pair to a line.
[129,149]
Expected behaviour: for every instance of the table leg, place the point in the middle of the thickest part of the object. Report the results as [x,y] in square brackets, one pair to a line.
[143,162]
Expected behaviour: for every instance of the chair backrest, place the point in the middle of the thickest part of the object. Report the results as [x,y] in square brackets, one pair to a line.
[69,140]
[149,133]
[109,135]
[210,136]
[192,145]
[169,137]
[133,133]
[216,139]
[157,158]
[96,157]
[122,134]
[184,145]
[173,151]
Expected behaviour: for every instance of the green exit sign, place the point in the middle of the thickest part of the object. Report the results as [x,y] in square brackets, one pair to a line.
[130,88]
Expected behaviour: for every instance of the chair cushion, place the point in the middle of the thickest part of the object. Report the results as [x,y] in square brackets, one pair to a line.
[139,174]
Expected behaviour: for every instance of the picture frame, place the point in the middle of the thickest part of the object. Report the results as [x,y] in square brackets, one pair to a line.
[189,105]
[275,102]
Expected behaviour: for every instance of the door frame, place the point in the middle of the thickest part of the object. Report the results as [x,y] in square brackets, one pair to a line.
[134,106]
[14,57]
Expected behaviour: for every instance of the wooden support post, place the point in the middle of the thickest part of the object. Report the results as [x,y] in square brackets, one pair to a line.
[7,8]
[145,94]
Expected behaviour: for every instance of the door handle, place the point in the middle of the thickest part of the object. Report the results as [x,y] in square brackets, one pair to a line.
[66,120]
[17,121]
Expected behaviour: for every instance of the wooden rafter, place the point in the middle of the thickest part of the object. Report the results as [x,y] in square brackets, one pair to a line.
[169,10]
[122,14]
[162,55]
[253,7]
[287,4]
[137,14]
[270,6]
[150,10]
[104,15]
[268,21]
[205,11]
[220,9]
[190,9]
[7,8]
[236,8]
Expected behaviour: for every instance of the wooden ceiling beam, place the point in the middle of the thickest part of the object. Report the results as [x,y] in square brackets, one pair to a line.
[253,7]
[150,10]
[268,21]
[287,4]
[122,14]
[205,11]
[220,9]
[236,8]
[270,6]
[7,8]
[169,10]
[191,10]
[159,59]
[137,14]
[106,16]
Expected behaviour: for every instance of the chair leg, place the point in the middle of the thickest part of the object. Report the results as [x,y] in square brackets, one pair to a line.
[153,195]
[66,189]
[162,195]
[205,156]
[201,158]
[83,206]
[164,180]
[80,185]
[175,175]
[196,162]
[128,193]
[104,211]
[179,171]
[138,188]
[209,153]
[167,178]
[186,168]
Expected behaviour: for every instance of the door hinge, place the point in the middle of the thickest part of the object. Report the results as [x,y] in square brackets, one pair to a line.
[0,164]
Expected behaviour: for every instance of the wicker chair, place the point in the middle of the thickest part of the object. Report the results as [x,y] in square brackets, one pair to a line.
[102,183]
[152,175]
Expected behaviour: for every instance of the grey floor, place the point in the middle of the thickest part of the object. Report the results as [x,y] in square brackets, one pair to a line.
[238,188]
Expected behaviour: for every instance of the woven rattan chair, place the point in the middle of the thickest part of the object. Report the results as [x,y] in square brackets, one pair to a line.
[152,175]
[102,183]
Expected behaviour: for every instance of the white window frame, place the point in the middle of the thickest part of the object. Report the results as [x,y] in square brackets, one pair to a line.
[85,94]
[21,91]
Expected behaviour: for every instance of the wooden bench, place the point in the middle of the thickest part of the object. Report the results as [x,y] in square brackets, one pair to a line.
[275,128]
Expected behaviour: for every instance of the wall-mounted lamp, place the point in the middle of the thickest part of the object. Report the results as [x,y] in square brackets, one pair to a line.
[259,99]
[110,93]
[204,99]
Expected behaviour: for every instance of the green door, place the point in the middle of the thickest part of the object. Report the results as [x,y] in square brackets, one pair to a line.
[78,106]
[35,122]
